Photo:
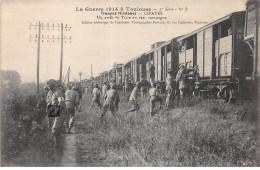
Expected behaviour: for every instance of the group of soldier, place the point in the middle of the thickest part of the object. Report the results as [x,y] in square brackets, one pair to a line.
[62,103]
[179,87]
[60,106]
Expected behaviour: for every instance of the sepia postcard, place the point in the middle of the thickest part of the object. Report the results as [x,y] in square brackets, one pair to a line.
[129,83]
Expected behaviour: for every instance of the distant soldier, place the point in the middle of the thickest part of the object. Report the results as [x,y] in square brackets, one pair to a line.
[56,100]
[111,101]
[79,90]
[144,87]
[123,84]
[186,85]
[96,97]
[126,83]
[86,90]
[117,100]
[143,91]
[180,77]
[104,90]
[134,98]
[152,73]
[170,89]
[154,97]
[72,100]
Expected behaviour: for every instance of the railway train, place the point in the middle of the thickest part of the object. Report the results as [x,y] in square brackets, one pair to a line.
[225,52]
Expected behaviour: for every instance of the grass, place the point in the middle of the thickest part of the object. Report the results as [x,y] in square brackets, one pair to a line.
[208,133]
[196,133]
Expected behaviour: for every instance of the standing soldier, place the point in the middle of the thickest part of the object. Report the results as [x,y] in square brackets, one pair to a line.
[79,90]
[71,99]
[48,99]
[144,87]
[56,100]
[111,101]
[134,98]
[154,97]
[170,89]
[117,100]
[152,73]
[143,91]
[96,97]
[126,83]
[104,90]
[180,78]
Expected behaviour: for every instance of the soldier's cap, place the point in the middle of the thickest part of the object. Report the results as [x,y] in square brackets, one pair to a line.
[114,86]
[74,88]
[51,82]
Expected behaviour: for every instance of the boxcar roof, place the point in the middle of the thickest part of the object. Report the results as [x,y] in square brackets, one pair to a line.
[164,44]
[208,25]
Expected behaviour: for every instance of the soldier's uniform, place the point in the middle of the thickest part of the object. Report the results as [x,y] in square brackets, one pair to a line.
[58,121]
[104,90]
[181,78]
[134,98]
[49,119]
[96,97]
[56,98]
[152,74]
[154,97]
[126,84]
[71,99]
[170,91]
[111,99]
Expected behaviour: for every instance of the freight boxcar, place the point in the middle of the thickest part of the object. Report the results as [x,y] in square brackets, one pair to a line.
[220,53]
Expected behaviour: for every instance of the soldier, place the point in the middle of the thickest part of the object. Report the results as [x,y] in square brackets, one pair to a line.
[71,99]
[144,87]
[104,90]
[111,101]
[79,90]
[143,91]
[170,89]
[48,98]
[154,97]
[56,100]
[180,77]
[126,83]
[96,97]
[134,98]
[152,73]
[117,100]
[123,84]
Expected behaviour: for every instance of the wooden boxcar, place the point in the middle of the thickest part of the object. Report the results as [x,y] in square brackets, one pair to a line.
[252,30]
[219,52]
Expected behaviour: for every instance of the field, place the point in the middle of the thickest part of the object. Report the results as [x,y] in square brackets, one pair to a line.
[200,133]
[210,133]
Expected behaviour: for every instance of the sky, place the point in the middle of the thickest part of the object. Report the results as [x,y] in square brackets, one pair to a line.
[98,45]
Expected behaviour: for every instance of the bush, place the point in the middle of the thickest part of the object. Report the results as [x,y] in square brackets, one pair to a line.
[17,101]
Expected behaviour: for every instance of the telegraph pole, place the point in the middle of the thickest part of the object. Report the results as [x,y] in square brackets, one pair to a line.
[38,58]
[47,28]
[61,56]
